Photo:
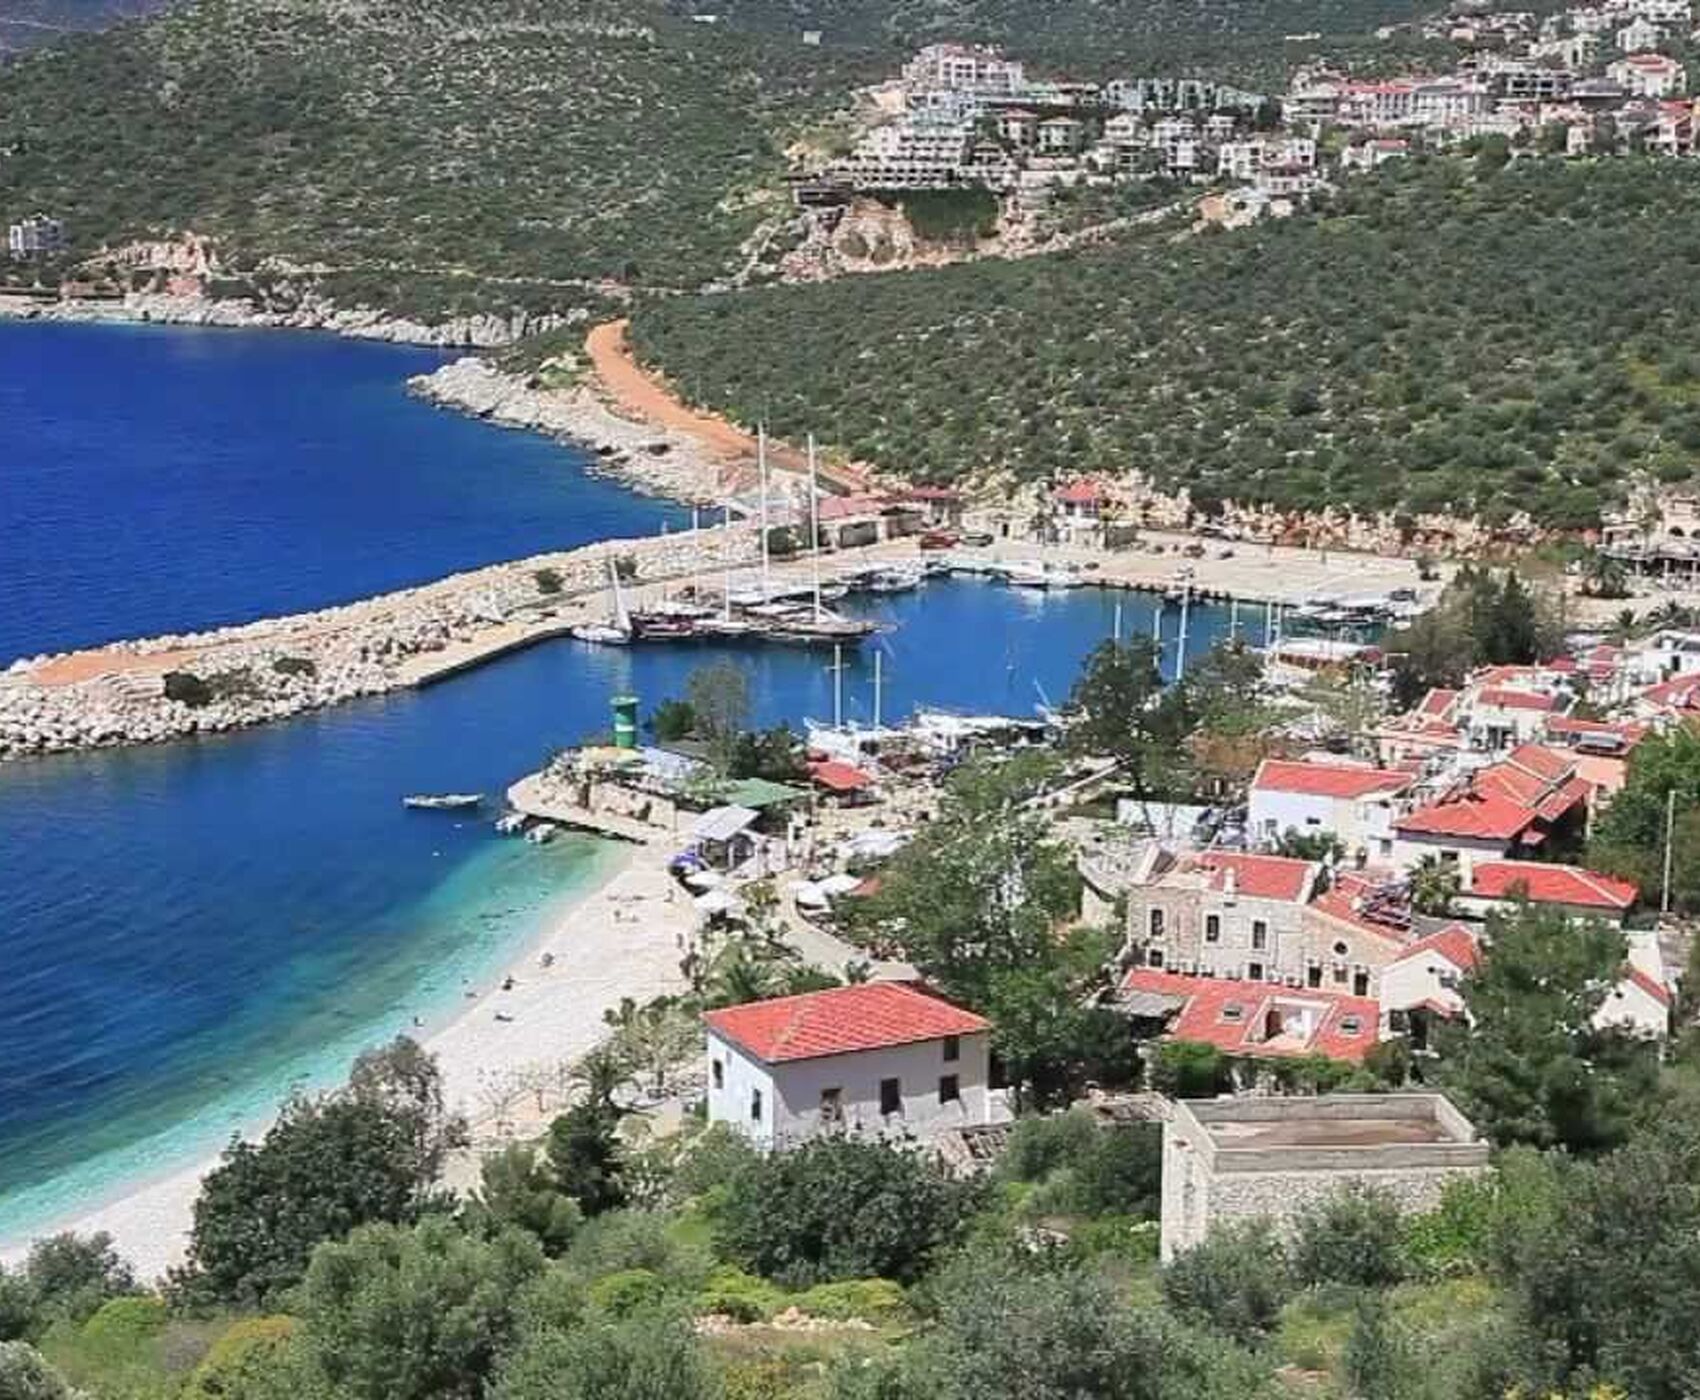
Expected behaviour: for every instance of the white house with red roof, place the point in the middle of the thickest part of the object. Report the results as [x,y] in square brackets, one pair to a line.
[876,1058]
[1421,985]
[1354,802]
[1496,884]
[1509,808]
[1644,999]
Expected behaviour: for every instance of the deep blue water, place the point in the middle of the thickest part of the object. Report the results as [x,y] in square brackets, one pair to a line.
[162,480]
[185,929]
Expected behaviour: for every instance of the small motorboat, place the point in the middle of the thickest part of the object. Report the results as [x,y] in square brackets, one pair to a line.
[540,835]
[602,634]
[444,802]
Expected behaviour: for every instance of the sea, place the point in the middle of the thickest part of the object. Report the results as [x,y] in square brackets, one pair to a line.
[190,931]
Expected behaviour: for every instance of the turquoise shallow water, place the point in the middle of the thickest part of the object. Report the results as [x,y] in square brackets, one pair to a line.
[187,930]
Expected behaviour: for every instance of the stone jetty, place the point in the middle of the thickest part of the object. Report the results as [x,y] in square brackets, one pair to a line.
[171,687]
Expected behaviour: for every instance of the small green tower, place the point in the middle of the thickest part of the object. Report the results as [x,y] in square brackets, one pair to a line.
[625,721]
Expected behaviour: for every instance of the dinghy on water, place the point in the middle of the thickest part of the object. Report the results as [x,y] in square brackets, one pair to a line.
[443,802]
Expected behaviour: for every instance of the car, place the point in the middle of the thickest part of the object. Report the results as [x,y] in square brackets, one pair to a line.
[939,539]
[978,538]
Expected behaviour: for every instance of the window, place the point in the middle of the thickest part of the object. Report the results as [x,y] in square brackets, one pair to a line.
[1340,949]
[1212,928]
[1340,973]
[1154,957]
[1313,975]
[1259,934]
[1360,983]
[952,1048]
[1254,971]
[950,1089]
[1156,923]
[832,1105]
[1350,1025]
[719,1069]
[755,1105]
[1233,1011]
[891,1096]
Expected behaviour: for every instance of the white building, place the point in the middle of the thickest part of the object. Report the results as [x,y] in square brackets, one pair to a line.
[35,236]
[1638,35]
[1354,803]
[964,67]
[879,1057]
[915,153]
[1648,75]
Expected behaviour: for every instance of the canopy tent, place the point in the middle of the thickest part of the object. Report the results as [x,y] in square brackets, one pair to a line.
[723,823]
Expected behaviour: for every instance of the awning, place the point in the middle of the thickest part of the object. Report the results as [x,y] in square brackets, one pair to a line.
[1149,1004]
[722,823]
[835,776]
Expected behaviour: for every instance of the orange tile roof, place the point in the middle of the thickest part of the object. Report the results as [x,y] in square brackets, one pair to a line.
[1455,943]
[1505,699]
[837,776]
[1257,877]
[840,1021]
[1551,884]
[1484,818]
[1207,1014]
[1653,988]
[1326,780]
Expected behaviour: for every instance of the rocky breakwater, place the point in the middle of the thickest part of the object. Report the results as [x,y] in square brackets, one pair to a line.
[658,462]
[172,687]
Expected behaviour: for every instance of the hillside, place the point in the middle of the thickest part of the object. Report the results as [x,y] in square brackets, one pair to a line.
[1454,337]
[1255,43]
[426,151]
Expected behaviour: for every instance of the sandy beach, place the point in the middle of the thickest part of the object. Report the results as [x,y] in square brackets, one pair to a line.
[619,938]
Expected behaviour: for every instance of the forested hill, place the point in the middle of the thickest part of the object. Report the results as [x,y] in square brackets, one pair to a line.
[1254,43]
[394,139]
[1456,336]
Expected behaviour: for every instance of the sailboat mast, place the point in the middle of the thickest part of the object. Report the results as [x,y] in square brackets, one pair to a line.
[876,688]
[814,525]
[761,460]
[726,558]
[837,687]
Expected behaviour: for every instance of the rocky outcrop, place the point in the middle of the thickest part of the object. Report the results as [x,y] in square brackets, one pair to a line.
[659,463]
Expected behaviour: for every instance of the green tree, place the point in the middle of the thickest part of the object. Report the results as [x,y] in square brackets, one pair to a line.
[1629,838]
[413,1314]
[25,1375]
[673,720]
[719,697]
[1354,1237]
[1379,1362]
[644,1358]
[517,1191]
[1119,708]
[1529,1065]
[841,1208]
[585,1156]
[367,1153]
[1012,1324]
[73,1275]
[1190,1069]
[1235,1281]
[1435,883]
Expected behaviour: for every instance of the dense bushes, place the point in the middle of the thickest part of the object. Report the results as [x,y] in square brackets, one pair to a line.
[841,1208]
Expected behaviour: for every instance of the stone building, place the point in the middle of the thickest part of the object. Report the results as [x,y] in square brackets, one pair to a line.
[1231,1160]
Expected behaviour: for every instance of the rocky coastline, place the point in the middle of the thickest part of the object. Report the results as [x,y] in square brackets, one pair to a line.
[485,332]
[173,687]
[655,461]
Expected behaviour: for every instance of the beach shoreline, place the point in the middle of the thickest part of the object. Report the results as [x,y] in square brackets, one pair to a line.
[603,948]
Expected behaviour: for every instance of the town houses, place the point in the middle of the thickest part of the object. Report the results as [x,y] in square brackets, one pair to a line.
[1587,81]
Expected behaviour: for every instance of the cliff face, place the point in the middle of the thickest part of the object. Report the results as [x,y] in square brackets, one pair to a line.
[871,235]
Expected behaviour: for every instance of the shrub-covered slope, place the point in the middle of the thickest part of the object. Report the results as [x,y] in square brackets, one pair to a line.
[1450,337]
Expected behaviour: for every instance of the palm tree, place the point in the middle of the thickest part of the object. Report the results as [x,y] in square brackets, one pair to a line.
[1434,885]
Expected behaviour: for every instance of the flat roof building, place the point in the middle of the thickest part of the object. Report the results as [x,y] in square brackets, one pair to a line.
[1236,1159]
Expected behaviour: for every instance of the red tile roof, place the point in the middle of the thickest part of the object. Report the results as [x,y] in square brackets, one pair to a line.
[1209,1014]
[1655,989]
[1551,884]
[1326,780]
[840,1021]
[1470,816]
[1438,703]
[1455,943]
[1505,699]
[839,777]
[1531,784]
[1679,692]
[1258,877]
[1347,903]
[1079,493]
